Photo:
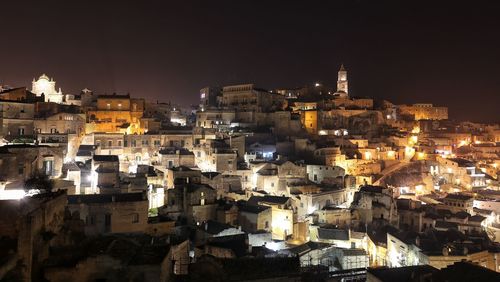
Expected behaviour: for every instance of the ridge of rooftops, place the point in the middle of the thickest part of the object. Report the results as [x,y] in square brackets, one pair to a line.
[106,198]
[462,197]
[105,158]
[462,162]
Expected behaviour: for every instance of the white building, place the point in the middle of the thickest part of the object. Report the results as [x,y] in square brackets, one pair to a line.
[47,86]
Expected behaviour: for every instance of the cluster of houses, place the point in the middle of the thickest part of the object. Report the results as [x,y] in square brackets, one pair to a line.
[251,184]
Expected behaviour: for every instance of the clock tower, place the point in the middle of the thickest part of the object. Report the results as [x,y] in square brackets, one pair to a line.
[342,84]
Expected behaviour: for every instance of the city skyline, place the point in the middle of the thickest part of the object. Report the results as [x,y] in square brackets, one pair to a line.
[194,141]
[164,51]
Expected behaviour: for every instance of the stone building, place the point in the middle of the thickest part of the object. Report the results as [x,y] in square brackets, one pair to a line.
[27,228]
[61,123]
[324,173]
[21,162]
[254,218]
[461,172]
[423,112]
[111,213]
[209,97]
[171,157]
[307,202]
[112,258]
[282,214]
[105,173]
[458,202]
[192,201]
[16,119]
[374,203]
[215,118]
[116,113]
[247,98]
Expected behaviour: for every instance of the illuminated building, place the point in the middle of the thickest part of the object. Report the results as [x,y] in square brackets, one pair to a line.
[309,119]
[116,113]
[423,112]
[342,83]
[47,87]
[105,174]
[247,98]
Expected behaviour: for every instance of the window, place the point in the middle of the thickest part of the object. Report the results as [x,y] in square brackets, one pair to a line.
[20,131]
[110,143]
[107,220]
[108,106]
[135,218]
[266,224]
[119,143]
[20,168]
[48,166]
[53,130]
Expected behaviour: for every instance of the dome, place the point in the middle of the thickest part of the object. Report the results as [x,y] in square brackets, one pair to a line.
[44,77]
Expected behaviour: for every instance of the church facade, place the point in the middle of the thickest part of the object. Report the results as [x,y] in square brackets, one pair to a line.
[47,86]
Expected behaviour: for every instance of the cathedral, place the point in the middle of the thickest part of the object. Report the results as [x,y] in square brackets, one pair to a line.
[47,87]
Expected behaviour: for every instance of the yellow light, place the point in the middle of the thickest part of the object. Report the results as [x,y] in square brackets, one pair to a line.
[416,130]
[414,139]
[368,155]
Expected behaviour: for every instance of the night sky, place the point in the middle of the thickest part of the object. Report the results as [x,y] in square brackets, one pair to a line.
[168,50]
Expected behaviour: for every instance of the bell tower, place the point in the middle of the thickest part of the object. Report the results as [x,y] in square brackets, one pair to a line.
[342,85]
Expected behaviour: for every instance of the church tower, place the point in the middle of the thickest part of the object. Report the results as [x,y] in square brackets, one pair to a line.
[342,86]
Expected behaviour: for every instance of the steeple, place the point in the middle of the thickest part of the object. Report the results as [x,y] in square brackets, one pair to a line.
[342,84]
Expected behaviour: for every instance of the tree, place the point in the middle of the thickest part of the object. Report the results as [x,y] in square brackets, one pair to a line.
[39,182]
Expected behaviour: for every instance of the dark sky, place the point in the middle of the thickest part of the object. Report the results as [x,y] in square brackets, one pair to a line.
[167,50]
